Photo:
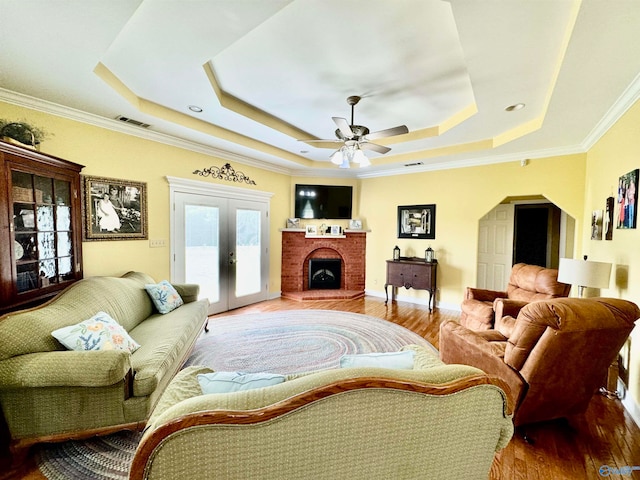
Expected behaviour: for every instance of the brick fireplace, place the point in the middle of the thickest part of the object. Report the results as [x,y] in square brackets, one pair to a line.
[298,249]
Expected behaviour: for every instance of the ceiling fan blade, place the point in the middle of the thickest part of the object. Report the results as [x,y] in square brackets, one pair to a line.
[375,147]
[321,141]
[343,126]
[389,132]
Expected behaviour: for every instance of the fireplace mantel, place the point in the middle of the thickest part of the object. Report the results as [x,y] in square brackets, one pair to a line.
[298,248]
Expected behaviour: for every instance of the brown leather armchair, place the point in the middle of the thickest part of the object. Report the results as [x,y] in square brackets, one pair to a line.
[527,283]
[553,357]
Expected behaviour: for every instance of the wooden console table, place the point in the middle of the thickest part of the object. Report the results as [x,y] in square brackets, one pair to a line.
[411,273]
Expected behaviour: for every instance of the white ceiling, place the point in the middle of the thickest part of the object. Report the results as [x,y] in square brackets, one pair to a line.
[268,73]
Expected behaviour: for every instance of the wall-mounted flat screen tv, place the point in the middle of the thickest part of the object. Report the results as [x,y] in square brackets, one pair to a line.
[323,201]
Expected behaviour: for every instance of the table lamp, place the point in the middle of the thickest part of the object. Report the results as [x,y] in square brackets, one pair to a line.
[584,273]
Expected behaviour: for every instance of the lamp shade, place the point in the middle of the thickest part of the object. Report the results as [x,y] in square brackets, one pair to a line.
[584,273]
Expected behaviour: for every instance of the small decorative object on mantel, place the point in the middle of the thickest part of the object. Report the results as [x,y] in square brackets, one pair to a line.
[22,134]
[396,253]
[336,230]
[293,223]
[226,172]
[429,254]
[355,224]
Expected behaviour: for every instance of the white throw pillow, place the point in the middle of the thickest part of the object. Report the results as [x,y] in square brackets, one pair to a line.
[395,360]
[226,382]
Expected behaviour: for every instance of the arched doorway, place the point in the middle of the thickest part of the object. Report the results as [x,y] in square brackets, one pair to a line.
[521,229]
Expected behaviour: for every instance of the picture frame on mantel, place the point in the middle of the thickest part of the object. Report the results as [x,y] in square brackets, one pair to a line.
[417,221]
[113,209]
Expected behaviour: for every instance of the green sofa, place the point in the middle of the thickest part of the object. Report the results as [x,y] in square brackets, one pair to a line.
[435,421]
[49,393]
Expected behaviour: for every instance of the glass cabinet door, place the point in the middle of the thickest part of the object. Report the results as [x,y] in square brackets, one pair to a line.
[43,234]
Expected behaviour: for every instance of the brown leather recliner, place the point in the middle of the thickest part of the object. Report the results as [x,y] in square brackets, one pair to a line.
[527,283]
[553,357]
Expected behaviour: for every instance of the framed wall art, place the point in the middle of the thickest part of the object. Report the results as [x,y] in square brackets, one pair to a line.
[596,225]
[627,200]
[417,221]
[608,219]
[113,209]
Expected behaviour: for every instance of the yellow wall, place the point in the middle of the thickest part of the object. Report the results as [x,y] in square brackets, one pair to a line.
[107,153]
[615,154]
[462,196]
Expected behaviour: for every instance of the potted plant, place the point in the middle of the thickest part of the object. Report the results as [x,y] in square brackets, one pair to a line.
[22,133]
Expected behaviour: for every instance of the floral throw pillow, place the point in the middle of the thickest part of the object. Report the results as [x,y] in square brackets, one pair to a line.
[100,332]
[164,296]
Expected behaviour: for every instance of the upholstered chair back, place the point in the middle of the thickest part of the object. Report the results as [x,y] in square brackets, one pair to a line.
[532,282]
[562,349]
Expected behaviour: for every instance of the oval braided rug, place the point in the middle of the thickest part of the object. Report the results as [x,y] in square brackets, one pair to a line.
[280,342]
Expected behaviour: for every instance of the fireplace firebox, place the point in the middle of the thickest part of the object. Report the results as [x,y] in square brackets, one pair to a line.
[324,273]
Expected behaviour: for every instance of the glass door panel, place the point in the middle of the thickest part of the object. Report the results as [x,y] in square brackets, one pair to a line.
[200,246]
[202,249]
[248,250]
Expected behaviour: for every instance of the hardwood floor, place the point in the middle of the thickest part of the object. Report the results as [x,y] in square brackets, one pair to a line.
[578,448]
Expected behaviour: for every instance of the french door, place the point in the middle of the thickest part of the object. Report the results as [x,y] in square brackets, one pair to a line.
[220,241]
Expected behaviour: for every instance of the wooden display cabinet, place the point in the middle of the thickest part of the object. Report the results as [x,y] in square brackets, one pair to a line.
[40,226]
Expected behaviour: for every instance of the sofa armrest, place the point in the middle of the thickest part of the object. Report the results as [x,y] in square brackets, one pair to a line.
[188,291]
[506,307]
[460,345]
[65,369]
[483,295]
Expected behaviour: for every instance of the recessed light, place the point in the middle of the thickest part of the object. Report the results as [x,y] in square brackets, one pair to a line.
[513,108]
[195,108]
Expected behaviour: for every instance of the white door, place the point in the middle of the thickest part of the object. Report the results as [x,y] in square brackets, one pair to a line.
[495,248]
[248,257]
[221,244]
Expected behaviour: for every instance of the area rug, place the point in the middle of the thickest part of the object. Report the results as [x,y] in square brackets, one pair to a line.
[280,342]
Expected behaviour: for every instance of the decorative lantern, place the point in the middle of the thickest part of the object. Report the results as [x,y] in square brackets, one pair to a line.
[428,255]
[396,253]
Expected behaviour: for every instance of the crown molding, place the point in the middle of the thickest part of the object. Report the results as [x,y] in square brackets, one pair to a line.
[475,162]
[626,100]
[69,113]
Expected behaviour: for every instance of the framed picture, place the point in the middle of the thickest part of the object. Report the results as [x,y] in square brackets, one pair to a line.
[596,225]
[627,199]
[293,223]
[608,219]
[417,221]
[355,224]
[312,230]
[336,230]
[113,209]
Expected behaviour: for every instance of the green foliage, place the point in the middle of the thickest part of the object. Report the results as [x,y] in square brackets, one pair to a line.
[22,131]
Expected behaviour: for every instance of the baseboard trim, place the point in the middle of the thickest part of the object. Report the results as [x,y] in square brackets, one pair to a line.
[415,300]
[628,402]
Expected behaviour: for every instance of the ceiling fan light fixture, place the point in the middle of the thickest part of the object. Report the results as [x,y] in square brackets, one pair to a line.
[345,163]
[360,158]
[336,157]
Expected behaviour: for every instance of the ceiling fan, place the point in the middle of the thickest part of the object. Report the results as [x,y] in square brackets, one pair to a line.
[357,138]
